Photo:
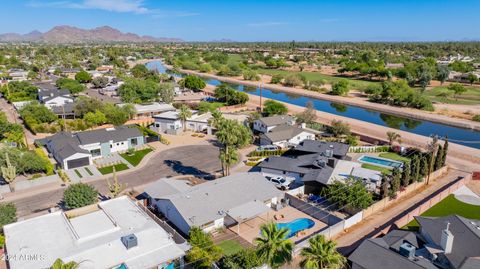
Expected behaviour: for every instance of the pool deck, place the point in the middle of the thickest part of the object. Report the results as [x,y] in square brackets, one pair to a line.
[250,229]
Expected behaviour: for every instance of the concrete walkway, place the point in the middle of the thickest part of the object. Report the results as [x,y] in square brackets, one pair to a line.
[464,194]
[83,173]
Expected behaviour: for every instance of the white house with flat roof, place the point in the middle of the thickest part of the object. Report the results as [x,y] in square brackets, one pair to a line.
[116,233]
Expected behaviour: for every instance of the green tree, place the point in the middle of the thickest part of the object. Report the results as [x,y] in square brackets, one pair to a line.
[272,107]
[272,246]
[395,182]
[276,79]
[442,74]
[309,115]
[293,80]
[139,71]
[321,253]
[416,168]
[71,85]
[251,75]
[166,92]
[83,77]
[59,264]
[232,135]
[339,128]
[139,90]
[225,93]
[9,172]
[340,87]
[351,193]
[203,252]
[406,177]
[100,82]
[95,118]
[244,259]
[472,78]
[115,188]
[183,114]
[384,187]
[445,152]
[457,89]
[8,214]
[393,137]
[193,82]
[79,195]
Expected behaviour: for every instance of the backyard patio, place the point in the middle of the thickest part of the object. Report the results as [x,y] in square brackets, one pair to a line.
[250,229]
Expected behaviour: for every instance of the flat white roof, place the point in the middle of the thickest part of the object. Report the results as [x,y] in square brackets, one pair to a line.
[92,239]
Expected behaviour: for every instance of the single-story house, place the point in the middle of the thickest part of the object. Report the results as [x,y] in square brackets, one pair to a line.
[443,242]
[334,149]
[79,149]
[54,97]
[215,204]
[116,233]
[69,72]
[266,124]
[150,109]
[170,123]
[285,136]
[18,74]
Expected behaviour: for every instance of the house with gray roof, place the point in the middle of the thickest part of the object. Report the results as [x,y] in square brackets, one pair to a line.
[336,149]
[451,242]
[73,150]
[285,136]
[215,204]
[266,124]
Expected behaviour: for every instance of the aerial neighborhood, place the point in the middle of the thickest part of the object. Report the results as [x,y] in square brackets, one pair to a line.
[129,152]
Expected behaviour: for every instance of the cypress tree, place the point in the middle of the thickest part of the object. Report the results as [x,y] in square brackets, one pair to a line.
[395,182]
[384,186]
[438,159]
[406,179]
[445,151]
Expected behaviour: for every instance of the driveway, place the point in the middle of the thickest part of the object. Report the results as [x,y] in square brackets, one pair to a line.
[198,160]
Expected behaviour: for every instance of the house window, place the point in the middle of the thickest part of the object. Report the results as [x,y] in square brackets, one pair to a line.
[95,152]
[111,146]
[118,144]
[133,142]
[122,143]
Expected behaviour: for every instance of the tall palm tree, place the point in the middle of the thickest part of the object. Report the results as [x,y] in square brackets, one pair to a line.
[321,253]
[392,137]
[183,115]
[216,118]
[272,246]
[59,264]
[233,136]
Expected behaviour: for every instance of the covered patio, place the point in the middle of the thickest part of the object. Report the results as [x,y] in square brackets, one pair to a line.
[249,229]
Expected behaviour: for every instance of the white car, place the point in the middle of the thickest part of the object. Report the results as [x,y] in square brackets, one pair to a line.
[279,182]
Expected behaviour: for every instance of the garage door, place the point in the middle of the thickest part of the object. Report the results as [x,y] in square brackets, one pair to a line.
[78,163]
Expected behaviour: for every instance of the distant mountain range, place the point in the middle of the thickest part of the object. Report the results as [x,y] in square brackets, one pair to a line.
[69,34]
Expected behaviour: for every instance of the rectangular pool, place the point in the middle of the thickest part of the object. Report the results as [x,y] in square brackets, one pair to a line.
[382,162]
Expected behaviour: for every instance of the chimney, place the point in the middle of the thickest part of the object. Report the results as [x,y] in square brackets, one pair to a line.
[447,240]
[331,162]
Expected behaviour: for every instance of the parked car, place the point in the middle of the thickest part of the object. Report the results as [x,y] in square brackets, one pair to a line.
[280,182]
[268,148]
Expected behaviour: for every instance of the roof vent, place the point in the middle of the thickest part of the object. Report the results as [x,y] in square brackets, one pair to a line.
[329,153]
[407,250]
[129,241]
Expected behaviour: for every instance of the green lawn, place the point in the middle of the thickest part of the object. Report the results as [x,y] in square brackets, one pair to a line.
[136,157]
[394,156]
[441,94]
[377,168]
[230,247]
[109,169]
[234,59]
[448,206]
[78,173]
[88,171]
[312,76]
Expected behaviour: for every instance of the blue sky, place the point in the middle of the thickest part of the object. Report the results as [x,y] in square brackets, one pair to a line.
[249,20]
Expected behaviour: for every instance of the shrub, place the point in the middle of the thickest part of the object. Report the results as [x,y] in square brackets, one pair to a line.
[79,195]
[476,117]
[48,165]
[8,214]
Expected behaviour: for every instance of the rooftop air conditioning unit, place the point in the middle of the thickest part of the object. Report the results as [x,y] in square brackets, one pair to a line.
[129,241]
[407,250]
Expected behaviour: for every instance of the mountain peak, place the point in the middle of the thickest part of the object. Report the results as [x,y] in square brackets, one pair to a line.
[71,34]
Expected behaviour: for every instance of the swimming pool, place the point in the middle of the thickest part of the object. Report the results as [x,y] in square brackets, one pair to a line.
[382,162]
[296,226]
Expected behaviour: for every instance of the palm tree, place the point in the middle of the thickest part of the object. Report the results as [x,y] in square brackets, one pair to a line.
[228,157]
[184,114]
[392,137]
[216,118]
[321,253]
[59,264]
[233,136]
[272,246]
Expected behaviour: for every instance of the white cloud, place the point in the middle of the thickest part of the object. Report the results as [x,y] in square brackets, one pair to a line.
[121,6]
[267,24]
